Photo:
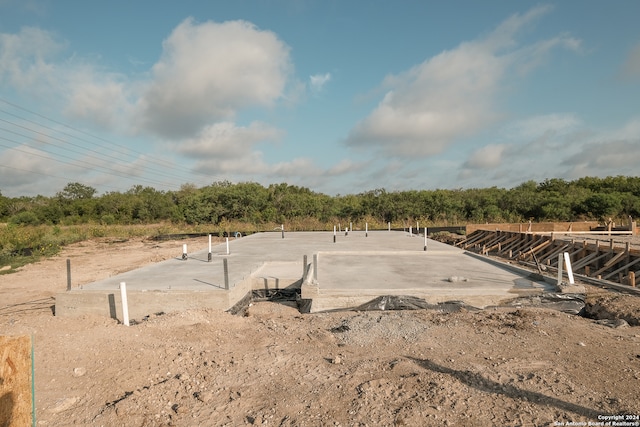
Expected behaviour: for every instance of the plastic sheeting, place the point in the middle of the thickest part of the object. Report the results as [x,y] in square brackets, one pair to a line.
[567,303]
[407,302]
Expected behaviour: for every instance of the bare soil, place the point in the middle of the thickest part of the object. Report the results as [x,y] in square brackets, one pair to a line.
[276,366]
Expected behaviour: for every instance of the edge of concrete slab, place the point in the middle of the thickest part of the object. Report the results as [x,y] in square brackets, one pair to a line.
[141,303]
[573,289]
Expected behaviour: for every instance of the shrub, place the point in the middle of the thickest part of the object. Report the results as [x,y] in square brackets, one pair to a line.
[107,219]
[25,218]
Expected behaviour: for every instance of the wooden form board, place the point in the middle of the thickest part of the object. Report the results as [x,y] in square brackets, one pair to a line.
[15,381]
[602,259]
[628,227]
[535,227]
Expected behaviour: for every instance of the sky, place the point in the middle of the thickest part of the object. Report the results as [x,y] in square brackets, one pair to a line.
[341,97]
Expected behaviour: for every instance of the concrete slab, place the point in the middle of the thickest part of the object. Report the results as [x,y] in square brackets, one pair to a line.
[349,280]
[350,271]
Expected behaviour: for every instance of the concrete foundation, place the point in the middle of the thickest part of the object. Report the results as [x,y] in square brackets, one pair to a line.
[351,271]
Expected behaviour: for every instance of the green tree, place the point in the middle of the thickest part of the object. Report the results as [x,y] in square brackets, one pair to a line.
[149,205]
[604,205]
[4,210]
[76,191]
[114,205]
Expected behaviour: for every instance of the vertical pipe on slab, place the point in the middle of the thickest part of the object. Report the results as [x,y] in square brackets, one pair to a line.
[389,225]
[184,251]
[334,234]
[125,304]
[315,268]
[411,230]
[68,274]
[425,238]
[567,261]
[282,228]
[559,270]
[304,265]
[227,246]
[209,255]
[366,229]
[627,247]
[225,266]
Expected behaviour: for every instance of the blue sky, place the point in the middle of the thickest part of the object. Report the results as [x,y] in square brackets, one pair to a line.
[337,96]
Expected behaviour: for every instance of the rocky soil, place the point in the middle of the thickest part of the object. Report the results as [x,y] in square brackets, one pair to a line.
[275,366]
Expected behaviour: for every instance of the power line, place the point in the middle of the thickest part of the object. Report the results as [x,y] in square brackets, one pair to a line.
[81,163]
[163,172]
[166,168]
[99,158]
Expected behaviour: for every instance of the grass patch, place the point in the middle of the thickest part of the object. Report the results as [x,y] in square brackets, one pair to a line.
[25,244]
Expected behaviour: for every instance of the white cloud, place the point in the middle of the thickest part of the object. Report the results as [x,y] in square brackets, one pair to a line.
[318,81]
[343,167]
[252,165]
[631,66]
[606,158]
[536,126]
[452,94]
[487,157]
[631,130]
[207,74]
[225,140]
[30,62]
[606,155]
[26,158]
[99,98]
[25,60]
[299,167]
[544,139]
[555,145]
[208,71]
[25,169]
[36,7]
[530,57]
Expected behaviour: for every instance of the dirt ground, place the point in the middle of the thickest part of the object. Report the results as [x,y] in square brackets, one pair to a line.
[275,366]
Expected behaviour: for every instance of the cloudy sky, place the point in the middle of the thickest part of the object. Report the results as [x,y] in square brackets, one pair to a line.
[337,96]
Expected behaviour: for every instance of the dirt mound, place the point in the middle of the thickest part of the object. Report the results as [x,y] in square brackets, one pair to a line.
[614,307]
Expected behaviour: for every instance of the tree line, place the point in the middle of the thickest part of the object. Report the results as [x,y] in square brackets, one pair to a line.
[588,198]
